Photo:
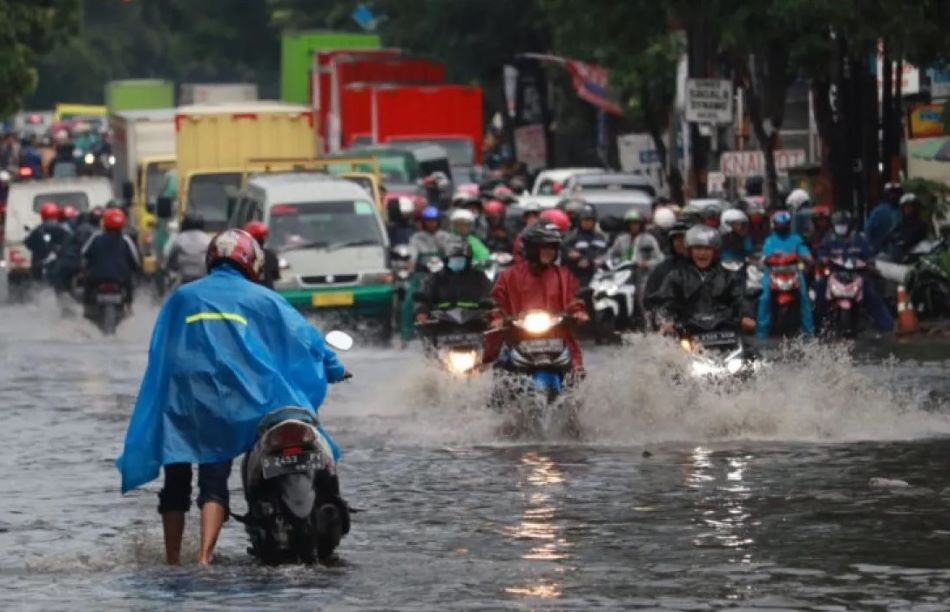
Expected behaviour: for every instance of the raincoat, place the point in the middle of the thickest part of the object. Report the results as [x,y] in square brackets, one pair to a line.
[224,353]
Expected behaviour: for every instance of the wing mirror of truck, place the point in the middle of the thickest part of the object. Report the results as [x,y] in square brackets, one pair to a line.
[128,191]
[164,207]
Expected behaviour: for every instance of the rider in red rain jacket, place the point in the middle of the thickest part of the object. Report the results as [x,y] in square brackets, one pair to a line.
[538,281]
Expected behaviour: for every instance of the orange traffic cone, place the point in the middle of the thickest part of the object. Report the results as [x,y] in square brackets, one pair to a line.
[906,315]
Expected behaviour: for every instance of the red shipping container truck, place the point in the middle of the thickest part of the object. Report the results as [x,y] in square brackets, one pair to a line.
[449,115]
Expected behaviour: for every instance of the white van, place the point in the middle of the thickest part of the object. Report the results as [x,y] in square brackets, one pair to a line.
[23,206]
[330,239]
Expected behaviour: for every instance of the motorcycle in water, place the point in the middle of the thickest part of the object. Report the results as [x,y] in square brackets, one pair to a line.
[844,295]
[455,336]
[612,296]
[295,512]
[716,351]
[540,359]
[108,307]
[785,288]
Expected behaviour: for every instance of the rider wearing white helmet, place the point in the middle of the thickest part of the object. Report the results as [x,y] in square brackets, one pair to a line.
[462,222]
[736,243]
[799,204]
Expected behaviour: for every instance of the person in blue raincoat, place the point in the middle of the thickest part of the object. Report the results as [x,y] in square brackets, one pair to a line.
[225,352]
[784,240]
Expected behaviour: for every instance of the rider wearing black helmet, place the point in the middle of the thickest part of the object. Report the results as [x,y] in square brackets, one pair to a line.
[584,246]
[456,285]
[538,282]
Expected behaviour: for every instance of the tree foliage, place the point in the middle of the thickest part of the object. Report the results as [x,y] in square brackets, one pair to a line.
[29,28]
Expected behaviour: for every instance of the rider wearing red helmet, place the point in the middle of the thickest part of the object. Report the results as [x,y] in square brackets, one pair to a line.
[499,238]
[46,239]
[225,352]
[558,217]
[271,273]
[110,256]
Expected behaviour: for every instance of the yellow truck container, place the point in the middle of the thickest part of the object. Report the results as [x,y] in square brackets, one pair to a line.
[214,142]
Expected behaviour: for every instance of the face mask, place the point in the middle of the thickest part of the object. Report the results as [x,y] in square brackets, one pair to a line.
[456,264]
[841,230]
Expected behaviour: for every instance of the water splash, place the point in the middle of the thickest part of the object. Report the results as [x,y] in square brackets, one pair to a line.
[810,392]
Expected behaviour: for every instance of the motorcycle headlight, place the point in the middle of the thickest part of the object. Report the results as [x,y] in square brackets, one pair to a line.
[687,345]
[461,362]
[112,160]
[89,158]
[537,322]
[734,365]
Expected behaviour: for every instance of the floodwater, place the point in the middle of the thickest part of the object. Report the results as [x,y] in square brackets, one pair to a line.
[824,485]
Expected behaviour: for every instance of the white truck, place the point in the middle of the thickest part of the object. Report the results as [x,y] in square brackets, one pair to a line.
[216,93]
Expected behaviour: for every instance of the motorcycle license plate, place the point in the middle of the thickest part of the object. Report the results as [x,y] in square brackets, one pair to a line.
[278,465]
[109,298]
[328,300]
[550,345]
[460,340]
[716,338]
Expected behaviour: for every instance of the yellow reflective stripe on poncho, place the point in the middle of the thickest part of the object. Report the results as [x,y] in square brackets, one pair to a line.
[216,316]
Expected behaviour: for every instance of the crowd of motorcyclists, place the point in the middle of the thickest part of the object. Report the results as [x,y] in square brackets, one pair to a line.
[764,271]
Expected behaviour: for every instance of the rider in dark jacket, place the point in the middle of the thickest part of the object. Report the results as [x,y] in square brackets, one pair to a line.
[584,246]
[702,286]
[69,260]
[677,258]
[401,226]
[910,230]
[456,285]
[110,256]
[45,239]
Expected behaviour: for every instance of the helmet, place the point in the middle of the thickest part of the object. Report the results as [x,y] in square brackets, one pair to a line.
[588,212]
[633,216]
[95,215]
[558,217]
[455,251]
[494,208]
[664,218]
[782,219]
[702,236]
[679,228]
[709,215]
[538,235]
[893,191]
[820,212]
[192,221]
[572,207]
[257,230]
[69,213]
[431,213]
[797,199]
[49,211]
[733,215]
[755,211]
[462,215]
[531,207]
[841,222]
[909,198]
[406,207]
[504,193]
[240,249]
[113,219]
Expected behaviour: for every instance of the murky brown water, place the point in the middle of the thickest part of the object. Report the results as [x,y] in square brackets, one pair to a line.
[823,486]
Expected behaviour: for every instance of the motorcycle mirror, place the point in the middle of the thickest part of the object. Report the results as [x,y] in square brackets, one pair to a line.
[339,340]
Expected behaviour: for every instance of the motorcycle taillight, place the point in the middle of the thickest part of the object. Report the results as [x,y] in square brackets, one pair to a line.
[290,434]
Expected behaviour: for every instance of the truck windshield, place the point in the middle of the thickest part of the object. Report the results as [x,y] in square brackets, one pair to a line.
[76,199]
[155,180]
[324,225]
[208,197]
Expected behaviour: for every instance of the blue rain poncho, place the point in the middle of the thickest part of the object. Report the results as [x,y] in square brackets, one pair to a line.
[224,353]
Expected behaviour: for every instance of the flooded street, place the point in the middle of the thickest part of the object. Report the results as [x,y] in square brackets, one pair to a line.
[825,485]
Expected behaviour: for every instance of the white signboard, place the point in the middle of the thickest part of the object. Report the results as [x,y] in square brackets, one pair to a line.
[752,163]
[715,184]
[638,155]
[531,147]
[708,101]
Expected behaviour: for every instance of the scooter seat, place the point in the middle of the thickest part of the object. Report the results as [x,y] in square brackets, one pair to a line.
[287,413]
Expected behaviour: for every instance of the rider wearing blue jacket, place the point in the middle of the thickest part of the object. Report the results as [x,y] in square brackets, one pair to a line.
[783,240]
[225,352]
[884,219]
[845,244]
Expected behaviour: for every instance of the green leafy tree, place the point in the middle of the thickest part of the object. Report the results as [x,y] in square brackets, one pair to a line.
[28,28]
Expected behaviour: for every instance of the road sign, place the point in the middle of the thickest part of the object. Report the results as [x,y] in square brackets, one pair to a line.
[708,101]
[752,163]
